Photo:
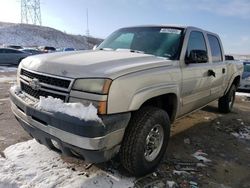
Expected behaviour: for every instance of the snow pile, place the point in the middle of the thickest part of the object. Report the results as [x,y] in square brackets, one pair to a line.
[16,89]
[244,133]
[78,110]
[199,155]
[29,164]
[50,104]
[171,184]
[180,172]
[243,94]
[7,69]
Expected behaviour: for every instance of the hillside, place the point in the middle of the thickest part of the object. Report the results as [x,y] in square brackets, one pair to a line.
[33,35]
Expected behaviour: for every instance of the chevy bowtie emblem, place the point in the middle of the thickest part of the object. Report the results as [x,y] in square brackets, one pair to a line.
[35,84]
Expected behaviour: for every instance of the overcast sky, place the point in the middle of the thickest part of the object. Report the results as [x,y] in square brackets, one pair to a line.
[229,18]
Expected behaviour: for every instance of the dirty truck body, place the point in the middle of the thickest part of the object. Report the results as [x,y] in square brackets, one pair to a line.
[140,79]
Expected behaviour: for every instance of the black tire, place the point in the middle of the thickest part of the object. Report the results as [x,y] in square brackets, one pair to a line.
[132,153]
[225,103]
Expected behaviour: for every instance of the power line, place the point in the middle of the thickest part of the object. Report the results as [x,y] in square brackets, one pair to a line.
[31,12]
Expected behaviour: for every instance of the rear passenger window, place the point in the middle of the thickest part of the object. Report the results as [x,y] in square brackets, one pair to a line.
[196,44]
[215,48]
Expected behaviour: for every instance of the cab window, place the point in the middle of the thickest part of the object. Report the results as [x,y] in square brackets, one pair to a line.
[215,48]
[196,49]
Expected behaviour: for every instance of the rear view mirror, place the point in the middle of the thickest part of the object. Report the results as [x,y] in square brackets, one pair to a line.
[197,56]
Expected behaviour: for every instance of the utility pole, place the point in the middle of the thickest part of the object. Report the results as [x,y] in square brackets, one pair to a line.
[87,30]
[31,12]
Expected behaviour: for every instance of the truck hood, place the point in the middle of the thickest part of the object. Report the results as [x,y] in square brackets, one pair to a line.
[80,64]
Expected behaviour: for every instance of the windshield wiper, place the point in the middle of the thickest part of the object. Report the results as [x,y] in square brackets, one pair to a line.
[130,50]
[107,49]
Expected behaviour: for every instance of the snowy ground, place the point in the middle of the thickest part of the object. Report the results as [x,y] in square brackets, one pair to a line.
[6,74]
[7,79]
[243,94]
[30,164]
[7,69]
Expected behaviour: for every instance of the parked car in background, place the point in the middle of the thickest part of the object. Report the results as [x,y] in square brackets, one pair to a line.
[65,49]
[47,49]
[229,57]
[245,80]
[68,49]
[14,46]
[32,51]
[9,56]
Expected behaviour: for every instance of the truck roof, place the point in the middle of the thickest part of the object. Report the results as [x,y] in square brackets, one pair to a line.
[172,25]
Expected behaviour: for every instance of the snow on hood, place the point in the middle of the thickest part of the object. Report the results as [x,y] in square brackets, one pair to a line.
[78,110]
[97,63]
[30,164]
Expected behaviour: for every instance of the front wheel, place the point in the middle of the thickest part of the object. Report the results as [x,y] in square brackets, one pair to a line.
[226,102]
[145,141]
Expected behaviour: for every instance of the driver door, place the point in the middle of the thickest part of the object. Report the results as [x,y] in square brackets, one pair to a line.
[196,83]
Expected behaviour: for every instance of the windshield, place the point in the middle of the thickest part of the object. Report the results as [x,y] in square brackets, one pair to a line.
[247,67]
[158,41]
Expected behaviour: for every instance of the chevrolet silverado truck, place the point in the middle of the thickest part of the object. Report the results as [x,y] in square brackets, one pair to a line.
[140,79]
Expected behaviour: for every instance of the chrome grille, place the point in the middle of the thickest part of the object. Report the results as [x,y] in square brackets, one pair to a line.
[46,79]
[48,85]
[37,93]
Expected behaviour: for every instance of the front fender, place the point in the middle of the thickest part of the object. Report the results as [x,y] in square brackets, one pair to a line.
[148,93]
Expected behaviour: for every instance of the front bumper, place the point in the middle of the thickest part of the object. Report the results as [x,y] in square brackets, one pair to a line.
[89,139]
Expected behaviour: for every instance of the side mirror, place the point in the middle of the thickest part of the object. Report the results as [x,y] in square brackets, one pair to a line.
[196,56]
[94,47]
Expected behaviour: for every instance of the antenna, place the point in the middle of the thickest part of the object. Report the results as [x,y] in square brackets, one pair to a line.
[31,12]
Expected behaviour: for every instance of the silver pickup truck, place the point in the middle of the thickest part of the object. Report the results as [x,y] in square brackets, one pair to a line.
[140,79]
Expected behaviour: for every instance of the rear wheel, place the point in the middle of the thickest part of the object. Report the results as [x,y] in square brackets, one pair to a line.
[226,102]
[145,140]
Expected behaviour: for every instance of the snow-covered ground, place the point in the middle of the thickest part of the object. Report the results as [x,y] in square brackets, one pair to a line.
[243,94]
[33,35]
[9,79]
[30,164]
[7,69]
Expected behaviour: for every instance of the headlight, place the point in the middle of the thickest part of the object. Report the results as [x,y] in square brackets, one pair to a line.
[94,85]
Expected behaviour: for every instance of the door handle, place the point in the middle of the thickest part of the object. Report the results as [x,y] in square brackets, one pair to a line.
[211,73]
[223,70]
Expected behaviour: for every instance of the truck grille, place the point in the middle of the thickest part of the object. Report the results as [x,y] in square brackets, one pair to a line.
[46,79]
[47,85]
[37,93]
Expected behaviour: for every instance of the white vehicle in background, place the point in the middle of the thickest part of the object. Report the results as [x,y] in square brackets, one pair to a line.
[245,79]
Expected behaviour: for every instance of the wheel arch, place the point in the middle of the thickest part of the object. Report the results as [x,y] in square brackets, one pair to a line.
[234,80]
[167,102]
